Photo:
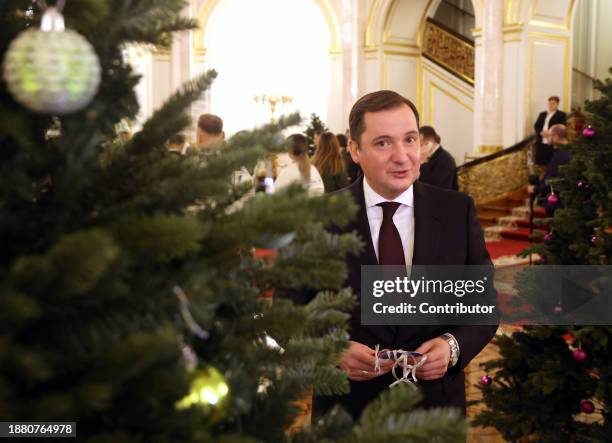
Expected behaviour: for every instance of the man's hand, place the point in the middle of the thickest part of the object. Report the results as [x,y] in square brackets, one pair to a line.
[358,362]
[438,353]
[530,189]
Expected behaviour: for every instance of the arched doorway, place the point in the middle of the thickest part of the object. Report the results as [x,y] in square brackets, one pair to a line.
[273,47]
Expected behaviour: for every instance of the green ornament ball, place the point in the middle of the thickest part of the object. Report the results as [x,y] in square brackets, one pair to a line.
[51,72]
[208,390]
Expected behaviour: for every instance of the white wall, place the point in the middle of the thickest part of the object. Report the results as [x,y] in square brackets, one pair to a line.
[603,57]
[449,108]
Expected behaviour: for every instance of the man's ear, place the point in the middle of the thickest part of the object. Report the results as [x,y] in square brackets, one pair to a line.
[354,150]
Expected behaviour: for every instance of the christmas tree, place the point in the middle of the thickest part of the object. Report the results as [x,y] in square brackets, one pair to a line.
[130,297]
[315,126]
[548,375]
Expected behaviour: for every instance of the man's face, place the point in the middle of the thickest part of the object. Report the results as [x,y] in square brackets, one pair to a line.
[552,105]
[389,150]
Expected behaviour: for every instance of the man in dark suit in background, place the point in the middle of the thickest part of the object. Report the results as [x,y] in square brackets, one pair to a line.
[558,136]
[403,221]
[546,120]
[438,167]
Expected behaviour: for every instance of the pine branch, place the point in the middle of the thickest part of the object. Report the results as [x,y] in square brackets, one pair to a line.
[149,21]
[170,118]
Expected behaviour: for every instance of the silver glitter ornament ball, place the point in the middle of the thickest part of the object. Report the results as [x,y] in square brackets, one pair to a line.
[52,72]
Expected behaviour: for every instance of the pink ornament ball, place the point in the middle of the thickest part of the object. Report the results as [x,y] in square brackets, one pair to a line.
[486,380]
[588,132]
[579,355]
[594,240]
[553,199]
[558,310]
[548,236]
[587,406]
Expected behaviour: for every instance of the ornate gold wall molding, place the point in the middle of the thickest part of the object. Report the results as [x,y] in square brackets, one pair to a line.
[448,50]
[490,149]
[385,9]
[533,38]
[493,179]
[448,79]
[432,87]
[540,20]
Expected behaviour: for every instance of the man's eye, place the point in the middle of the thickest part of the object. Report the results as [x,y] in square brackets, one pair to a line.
[383,144]
[410,140]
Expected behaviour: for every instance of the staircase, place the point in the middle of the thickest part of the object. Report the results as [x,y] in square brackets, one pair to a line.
[508,218]
[505,222]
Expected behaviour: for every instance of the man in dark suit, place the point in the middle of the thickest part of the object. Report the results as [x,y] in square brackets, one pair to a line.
[438,167]
[403,221]
[546,120]
[559,138]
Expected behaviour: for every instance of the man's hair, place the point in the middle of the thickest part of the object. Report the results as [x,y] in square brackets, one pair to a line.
[375,102]
[342,141]
[559,130]
[430,133]
[211,124]
[177,139]
[554,98]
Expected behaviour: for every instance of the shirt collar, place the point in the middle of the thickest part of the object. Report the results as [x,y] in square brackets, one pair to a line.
[372,198]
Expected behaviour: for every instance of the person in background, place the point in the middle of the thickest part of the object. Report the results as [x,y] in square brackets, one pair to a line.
[316,137]
[210,131]
[353,171]
[438,167]
[330,164]
[300,170]
[547,119]
[178,144]
[558,138]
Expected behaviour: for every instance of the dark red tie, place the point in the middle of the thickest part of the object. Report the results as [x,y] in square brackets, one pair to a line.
[390,250]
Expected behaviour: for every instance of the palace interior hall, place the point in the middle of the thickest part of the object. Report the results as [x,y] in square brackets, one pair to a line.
[149,259]
[479,72]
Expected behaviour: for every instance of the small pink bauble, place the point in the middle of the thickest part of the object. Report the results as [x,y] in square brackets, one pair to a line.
[553,199]
[588,132]
[587,406]
[548,236]
[486,380]
[579,355]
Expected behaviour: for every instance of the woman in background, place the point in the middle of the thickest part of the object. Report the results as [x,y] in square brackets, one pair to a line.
[300,169]
[328,160]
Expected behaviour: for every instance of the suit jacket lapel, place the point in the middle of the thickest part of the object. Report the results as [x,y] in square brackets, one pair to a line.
[362,225]
[426,229]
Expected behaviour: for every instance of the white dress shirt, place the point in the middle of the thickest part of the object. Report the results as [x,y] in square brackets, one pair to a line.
[403,218]
[549,115]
